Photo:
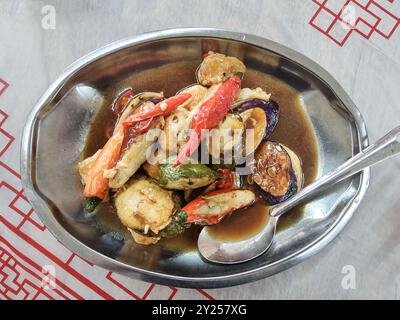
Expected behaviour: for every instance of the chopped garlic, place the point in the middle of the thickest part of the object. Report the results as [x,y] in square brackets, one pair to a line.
[258,93]
[163,106]
[110,173]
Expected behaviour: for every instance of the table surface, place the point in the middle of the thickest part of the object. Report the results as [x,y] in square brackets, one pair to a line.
[362,262]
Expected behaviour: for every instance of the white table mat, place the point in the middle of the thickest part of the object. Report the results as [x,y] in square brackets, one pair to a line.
[38,39]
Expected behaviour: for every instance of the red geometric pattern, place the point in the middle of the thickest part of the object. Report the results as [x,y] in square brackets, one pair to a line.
[17,281]
[369,17]
[26,246]
[3,86]
[20,205]
[6,139]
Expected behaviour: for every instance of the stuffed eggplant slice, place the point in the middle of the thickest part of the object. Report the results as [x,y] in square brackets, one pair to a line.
[163,194]
[277,172]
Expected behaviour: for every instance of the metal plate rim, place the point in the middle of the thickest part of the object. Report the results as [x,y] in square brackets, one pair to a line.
[86,252]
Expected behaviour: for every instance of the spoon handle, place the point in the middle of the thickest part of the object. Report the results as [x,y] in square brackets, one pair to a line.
[382,149]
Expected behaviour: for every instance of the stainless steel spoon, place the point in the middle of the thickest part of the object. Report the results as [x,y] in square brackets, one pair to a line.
[218,251]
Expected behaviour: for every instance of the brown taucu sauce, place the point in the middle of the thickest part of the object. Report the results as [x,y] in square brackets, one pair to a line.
[293,130]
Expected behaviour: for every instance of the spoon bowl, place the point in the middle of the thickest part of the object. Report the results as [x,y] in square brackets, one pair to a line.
[220,251]
[224,252]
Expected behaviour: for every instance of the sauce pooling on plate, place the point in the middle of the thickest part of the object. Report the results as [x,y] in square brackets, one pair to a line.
[241,224]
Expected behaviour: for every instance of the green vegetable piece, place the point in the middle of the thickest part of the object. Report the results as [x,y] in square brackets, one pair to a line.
[239,74]
[91,203]
[176,226]
[189,170]
[223,166]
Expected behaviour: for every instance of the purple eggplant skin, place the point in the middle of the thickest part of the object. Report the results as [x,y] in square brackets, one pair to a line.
[295,172]
[154,100]
[271,109]
[269,199]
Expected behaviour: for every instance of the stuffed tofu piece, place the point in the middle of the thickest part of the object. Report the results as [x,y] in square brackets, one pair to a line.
[217,68]
[145,209]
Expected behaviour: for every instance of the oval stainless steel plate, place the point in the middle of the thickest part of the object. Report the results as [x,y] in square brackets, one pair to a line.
[55,131]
